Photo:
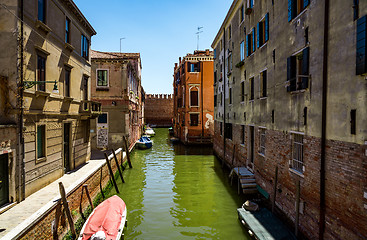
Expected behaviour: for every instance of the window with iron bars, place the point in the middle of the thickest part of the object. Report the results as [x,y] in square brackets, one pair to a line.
[297,153]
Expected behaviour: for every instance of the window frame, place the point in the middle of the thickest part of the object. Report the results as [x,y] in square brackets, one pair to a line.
[242,50]
[296,8]
[67,30]
[243,134]
[297,158]
[243,91]
[298,70]
[262,141]
[67,82]
[84,47]
[252,88]
[108,78]
[194,89]
[263,84]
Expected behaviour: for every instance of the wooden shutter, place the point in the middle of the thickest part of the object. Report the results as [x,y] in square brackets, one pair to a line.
[291,73]
[266,27]
[361,46]
[258,35]
[291,9]
[306,3]
[247,46]
[305,67]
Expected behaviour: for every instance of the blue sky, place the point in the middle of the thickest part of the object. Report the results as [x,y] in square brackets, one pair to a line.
[161,30]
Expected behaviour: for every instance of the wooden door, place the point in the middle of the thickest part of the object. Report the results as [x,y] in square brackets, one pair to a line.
[4,179]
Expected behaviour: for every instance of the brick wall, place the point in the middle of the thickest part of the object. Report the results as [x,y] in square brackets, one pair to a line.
[43,228]
[346,180]
[159,110]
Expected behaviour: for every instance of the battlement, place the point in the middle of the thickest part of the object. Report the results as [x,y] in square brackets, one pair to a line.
[159,96]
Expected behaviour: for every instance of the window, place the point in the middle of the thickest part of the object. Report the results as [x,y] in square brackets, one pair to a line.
[243,134]
[102,78]
[263,84]
[67,83]
[243,91]
[242,14]
[262,141]
[179,102]
[306,36]
[361,52]
[229,63]
[194,119]
[41,73]
[42,10]
[230,95]
[221,99]
[194,98]
[355,9]
[228,131]
[193,67]
[85,47]
[298,71]
[215,53]
[103,118]
[85,88]
[295,7]
[229,32]
[305,116]
[67,30]
[263,31]
[297,153]
[252,89]
[250,42]
[215,77]
[41,141]
[215,100]
[242,50]
[221,128]
[353,115]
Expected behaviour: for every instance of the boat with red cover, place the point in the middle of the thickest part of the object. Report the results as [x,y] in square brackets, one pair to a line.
[107,221]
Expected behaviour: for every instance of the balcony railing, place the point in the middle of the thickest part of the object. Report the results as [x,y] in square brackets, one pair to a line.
[90,107]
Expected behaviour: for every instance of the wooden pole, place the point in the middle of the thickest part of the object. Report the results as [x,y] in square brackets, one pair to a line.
[117,165]
[111,173]
[66,208]
[297,207]
[100,183]
[88,196]
[127,152]
[81,199]
[122,158]
[55,225]
[275,189]
[233,154]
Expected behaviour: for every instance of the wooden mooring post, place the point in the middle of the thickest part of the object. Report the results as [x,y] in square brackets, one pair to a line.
[85,186]
[55,224]
[118,166]
[100,183]
[67,210]
[127,152]
[111,173]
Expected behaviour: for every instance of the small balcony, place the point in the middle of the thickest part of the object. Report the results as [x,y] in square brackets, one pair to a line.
[90,108]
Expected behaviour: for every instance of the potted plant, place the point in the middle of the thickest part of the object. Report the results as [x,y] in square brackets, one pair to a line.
[248,11]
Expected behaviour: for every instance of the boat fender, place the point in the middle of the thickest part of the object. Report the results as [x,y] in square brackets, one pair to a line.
[100,235]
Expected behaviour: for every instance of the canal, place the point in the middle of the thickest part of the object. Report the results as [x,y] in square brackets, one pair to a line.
[179,192]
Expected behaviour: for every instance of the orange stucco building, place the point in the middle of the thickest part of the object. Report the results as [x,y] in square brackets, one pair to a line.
[193,96]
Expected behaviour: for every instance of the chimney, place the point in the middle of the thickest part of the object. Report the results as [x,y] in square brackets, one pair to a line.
[175,65]
[207,52]
[179,59]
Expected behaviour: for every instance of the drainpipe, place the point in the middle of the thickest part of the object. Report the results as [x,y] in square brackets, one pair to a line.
[224,96]
[323,126]
[21,186]
[202,101]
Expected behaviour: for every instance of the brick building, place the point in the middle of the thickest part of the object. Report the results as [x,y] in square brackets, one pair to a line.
[44,82]
[116,84]
[158,110]
[290,95]
[193,98]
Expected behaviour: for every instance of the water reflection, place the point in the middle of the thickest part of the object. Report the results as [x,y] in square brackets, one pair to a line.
[179,192]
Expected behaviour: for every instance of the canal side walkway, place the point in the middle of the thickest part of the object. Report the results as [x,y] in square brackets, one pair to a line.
[20,218]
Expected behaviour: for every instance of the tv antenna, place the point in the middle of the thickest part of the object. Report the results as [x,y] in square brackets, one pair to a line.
[198,33]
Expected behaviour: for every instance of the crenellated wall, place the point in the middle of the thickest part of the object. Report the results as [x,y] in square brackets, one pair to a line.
[159,110]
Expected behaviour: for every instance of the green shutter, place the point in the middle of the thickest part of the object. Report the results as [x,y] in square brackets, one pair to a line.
[254,40]
[266,27]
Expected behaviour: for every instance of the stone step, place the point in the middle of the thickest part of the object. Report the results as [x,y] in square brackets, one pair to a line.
[248,180]
[248,185]
[250,191]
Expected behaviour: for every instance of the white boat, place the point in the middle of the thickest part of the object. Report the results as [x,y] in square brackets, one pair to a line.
[150,132]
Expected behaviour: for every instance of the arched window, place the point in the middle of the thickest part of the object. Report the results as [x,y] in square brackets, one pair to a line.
[194,97]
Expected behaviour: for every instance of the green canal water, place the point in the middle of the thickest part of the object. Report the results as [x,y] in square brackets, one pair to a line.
[178,192]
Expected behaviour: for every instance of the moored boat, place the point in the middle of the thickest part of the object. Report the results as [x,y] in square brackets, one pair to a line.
[150,132]
[107,220]
[144,143]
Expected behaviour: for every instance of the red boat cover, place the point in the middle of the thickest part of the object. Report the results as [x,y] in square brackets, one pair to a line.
[106,217]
